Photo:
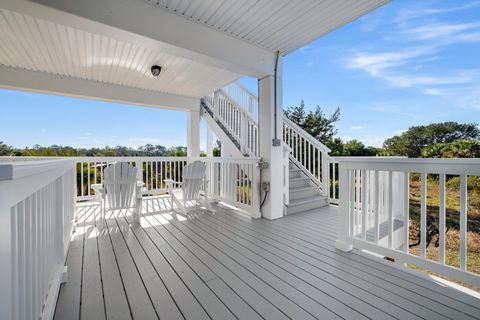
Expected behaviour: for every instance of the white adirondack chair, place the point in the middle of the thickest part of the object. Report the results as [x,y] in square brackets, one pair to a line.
[120,189]
[194,178]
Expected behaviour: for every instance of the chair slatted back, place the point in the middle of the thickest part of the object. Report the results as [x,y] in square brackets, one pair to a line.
[119,182]
[193,178]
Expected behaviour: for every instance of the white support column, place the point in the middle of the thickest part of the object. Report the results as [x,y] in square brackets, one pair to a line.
[209,142]
[193,132]
[344,210]
[273,207]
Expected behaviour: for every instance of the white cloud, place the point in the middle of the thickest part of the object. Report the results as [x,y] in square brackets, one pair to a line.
[145,140]
[446,32]
[376,64]
[400,131]
[395,110]
[356,127]
[390,66]
[43,130]
[374,141]
[433,92]
[405,16]
[309,64]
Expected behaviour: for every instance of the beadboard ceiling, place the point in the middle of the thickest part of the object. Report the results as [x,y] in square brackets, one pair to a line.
[276,25]
[38,45]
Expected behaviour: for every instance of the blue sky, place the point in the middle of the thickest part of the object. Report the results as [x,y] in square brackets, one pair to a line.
[407,63]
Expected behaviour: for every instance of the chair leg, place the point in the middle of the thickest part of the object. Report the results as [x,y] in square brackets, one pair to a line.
[138,210]
[104,222]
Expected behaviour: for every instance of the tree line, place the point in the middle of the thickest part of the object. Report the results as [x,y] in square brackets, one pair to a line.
[437,140]
[147,150]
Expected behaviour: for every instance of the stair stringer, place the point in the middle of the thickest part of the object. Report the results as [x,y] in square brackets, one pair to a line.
[221,135]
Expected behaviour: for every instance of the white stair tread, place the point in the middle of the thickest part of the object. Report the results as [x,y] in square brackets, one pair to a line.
[303,188]
[302,201]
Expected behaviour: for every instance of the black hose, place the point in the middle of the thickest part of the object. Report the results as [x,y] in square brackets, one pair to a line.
[264,199]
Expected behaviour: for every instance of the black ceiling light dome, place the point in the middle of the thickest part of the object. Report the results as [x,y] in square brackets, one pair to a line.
[156,70]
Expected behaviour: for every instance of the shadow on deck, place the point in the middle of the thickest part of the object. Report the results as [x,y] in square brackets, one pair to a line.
[221,265]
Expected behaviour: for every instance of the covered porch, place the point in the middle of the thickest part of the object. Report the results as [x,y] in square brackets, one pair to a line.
[249,256]
[220,264]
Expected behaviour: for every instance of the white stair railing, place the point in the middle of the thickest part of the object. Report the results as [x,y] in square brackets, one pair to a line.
[236,108]
[236,119]
[374,212]
[307,153]
[243,97]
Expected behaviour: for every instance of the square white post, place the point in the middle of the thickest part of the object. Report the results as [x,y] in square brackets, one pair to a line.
[193,129]
[271,152]
[343,210]
[209,142]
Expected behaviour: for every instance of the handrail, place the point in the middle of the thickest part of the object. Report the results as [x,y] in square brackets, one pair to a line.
[305,134]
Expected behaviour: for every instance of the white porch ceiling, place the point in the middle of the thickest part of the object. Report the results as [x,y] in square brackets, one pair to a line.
[276,25]
[36,44]
[201,45]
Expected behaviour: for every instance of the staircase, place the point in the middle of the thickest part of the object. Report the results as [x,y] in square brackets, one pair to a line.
[232,112]
[303,193]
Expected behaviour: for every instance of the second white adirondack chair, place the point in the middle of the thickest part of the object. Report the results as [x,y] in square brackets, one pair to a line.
[194,178]
[120,189]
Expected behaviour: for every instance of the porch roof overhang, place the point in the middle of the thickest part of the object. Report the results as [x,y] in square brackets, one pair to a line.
[201,45]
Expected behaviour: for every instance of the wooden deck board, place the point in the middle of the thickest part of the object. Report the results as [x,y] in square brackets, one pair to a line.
[221,265]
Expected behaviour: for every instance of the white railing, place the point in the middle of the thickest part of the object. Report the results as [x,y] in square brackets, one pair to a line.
[151,170]
[37,206]
[237,120]
[243,97]
[233,181]
[332,180]
[374,212]
[307,153]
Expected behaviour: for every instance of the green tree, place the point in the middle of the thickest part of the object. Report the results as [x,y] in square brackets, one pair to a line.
[217,149]
[415,139]
[5,150]
[336,146]
[355,148]
[456,149]
[316,123]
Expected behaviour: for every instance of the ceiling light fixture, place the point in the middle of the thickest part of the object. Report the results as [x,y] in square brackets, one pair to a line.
[156,70]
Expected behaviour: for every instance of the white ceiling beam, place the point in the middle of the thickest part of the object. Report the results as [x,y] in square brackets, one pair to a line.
[41,82]
[140,22]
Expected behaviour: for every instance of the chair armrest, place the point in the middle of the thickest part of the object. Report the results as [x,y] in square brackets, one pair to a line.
[98,187]
[171,183]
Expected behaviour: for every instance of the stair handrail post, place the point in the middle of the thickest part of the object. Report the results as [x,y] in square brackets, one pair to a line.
[326,160]
[342,242]
[216,102]
[243,132]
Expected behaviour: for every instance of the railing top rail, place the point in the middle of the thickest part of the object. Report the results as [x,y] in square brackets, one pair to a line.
[8,159]
[236,104]
[160,158]
[17,169]
[241,86]
[470,166]
[306,134]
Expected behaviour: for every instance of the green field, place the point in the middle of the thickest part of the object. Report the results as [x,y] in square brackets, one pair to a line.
[452,245]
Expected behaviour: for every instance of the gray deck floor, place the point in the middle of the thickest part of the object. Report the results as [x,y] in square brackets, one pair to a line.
[221,265]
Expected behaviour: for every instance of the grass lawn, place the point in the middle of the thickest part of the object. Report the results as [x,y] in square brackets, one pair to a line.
[452,245]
